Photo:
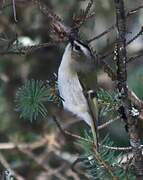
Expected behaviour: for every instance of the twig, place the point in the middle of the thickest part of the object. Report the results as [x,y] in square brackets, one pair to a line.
[10,145]
[135,57]
[6,5]
[79,21]
[136,36]
[31,146]
[108,123]
[77,170]
[11,53]
[60,176]
[30,49]
[131,12]
[121,56]
[105,165]
[102,34]
[70,173]
[131,95]
[123,90]
[30,154]
[117,148]
[26,50]
[40,162]
[135,100]
[67,133]
[6,165]
[89,141]
[14,10]
[128,43]
[58,26]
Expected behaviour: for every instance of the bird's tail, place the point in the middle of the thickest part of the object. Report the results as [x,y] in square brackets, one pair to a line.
[93,108]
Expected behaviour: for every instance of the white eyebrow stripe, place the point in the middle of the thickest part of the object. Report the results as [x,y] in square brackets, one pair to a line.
[84,49]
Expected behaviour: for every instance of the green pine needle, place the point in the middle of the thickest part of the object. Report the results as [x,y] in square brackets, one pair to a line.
[95,167]
[108,104]
[30,99]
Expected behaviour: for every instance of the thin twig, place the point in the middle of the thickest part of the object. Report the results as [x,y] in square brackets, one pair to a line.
[6,165]
[40,162]
[79,21]
[121,62]
[89,141]
[31,146]
[117,148]
[131,12]
[77,170]
[108,123]
[67,133]
[58,26]
[131,59]
[105,165]
[14,10]
[31,155]
[11,53]
[128,43]
[32,48]
[135,37]
[38,144]
[102,34]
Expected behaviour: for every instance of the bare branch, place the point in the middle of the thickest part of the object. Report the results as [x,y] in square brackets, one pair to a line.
[135,57]
[80,20]
[11,53]
[14,10]
[123,90]
[32,48]
[128,43]
[121,56]
[131,12]
[58,25]
[6,165]
[102,34]
[31,155]
[106,124]
[136,36]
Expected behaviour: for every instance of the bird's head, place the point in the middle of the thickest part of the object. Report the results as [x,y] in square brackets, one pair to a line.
[83,59]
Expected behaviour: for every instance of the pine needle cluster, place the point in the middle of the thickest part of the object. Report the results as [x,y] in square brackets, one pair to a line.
[32,97]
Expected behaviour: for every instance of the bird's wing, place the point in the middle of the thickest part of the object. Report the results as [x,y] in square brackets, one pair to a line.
[92,102]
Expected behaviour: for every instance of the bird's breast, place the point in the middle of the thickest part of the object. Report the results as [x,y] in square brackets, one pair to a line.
[72,93]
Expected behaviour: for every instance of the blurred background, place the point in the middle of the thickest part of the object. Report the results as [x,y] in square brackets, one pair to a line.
[32,27]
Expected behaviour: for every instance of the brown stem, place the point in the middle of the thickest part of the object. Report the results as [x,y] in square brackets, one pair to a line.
[131,12]
[121,48]
[105,165]
[136,36]
[14,10]
[121,61]
[135,57]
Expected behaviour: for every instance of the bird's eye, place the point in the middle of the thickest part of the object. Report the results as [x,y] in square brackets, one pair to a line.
[77,48]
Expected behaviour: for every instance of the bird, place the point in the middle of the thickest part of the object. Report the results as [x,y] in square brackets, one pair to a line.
[76,58]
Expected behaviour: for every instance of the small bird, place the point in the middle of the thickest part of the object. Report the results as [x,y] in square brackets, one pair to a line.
[77,57]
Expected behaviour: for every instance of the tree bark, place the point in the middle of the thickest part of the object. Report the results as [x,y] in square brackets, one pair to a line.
[121,62]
